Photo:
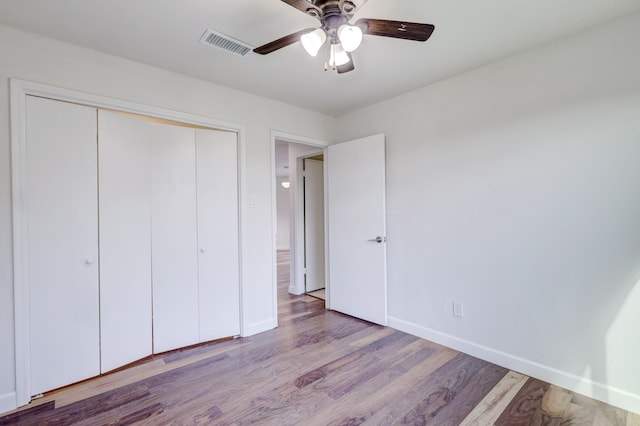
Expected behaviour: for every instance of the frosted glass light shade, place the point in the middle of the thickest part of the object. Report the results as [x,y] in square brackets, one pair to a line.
[338,55]
[350,36]
[313,41]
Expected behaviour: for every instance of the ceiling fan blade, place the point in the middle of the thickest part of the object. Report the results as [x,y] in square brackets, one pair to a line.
[305,7]
[281,42]
[396,29]
[349,66]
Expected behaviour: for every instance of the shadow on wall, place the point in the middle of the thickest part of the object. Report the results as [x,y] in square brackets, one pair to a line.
[610,329]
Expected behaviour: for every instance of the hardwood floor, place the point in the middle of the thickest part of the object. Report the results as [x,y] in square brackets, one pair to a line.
[317,368]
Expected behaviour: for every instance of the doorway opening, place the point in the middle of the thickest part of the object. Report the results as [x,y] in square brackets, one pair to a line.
[354,206]
[299,233]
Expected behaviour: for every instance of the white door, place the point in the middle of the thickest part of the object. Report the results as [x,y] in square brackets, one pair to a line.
[62,216]
[314,224]
[174,241]
[124,145]
[217,203]
[356,235]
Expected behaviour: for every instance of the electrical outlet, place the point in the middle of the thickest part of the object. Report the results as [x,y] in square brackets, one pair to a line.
[458,309]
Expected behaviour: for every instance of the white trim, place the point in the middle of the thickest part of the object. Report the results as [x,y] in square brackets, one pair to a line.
[327,283]
[297,250]
[20,239]
[8,402]
[274,229]
[285,137]
[298,278]
[581,385]
[293,290]
[259,327]
[242,230]
[289,137]
[19,89]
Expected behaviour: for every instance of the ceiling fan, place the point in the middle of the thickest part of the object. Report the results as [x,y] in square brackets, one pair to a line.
[343,37]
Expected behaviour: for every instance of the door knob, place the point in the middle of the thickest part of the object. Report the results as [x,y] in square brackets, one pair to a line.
[202,250]
[88,261]
[378,239]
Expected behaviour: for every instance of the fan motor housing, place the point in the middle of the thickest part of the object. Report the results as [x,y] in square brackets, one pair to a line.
[333,18]
[327,7]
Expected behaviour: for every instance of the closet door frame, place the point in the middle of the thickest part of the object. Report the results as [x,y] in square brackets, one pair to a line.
[19,90]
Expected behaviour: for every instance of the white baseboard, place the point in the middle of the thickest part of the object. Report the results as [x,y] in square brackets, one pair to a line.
[8,402]
[282,247]
[259,327]
[582,385]
[296,291]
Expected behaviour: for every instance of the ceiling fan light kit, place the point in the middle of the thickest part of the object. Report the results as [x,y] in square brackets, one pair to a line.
[338,56]
[313,41]
[350,36]
[344,38]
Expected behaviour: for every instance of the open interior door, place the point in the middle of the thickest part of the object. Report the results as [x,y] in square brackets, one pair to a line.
[356,228]
[314,224]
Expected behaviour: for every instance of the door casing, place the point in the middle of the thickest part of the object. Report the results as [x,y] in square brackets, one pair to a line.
[297,279]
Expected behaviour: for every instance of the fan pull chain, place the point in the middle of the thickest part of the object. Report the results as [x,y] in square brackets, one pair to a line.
[328,62]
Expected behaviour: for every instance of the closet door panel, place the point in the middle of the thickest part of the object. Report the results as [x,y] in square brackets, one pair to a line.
[174,238]
[217,196]
[62,215]
[125,238]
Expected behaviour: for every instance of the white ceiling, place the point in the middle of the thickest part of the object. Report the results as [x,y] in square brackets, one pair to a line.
[165,33]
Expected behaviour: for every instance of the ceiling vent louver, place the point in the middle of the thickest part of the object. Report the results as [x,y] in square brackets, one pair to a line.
[221,41]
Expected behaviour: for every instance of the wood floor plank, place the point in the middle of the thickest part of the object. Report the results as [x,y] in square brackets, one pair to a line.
[585,410]
[296,404]
[424,395]
[524,409]
[633,419]
[24,416]
[276,384]
[406,373]
[445,384]
[579,415]
[133,374]
[382,332]
[88,409]
[494,403]
[555,402]
[137,416]
[470,395]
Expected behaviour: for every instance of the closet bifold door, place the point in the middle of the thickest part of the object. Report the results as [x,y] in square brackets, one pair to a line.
[124,146]
[62,216]
[174,238]
[217,197]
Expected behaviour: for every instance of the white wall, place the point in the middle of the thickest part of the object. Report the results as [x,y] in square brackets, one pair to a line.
[30,57]
[283,221]
[515,189]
